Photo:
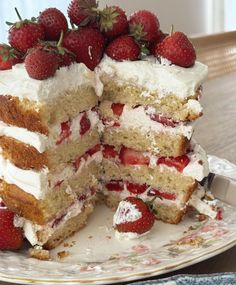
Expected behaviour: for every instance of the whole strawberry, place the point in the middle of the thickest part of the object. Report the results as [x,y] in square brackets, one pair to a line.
[11,237]
[82,12]
[41,64]
[53,21]
[87,44]
[123,48]
[24,34]
[133,216]
[65,57]
[9,57]
[144,26]
[113,21]
[178,49]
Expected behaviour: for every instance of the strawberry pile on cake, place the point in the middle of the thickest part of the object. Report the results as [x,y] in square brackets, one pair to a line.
[104,107]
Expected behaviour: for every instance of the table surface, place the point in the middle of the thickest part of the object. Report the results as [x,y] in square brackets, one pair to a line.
[216,132]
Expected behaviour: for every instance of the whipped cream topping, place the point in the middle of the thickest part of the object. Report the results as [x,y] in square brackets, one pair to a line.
[140,118]
[34,139]
[16,82]
[36,182]
[198,167]
[129,235]
[200,205]
[33,182]
[42,142]
[150,74]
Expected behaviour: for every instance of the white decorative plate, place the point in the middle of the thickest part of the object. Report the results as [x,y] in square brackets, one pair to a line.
[95,256]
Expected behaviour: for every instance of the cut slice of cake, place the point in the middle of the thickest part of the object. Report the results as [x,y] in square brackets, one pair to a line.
[50,150]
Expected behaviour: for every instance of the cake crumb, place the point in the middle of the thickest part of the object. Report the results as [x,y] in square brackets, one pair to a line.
[63,254]
[41,254]
[90,237]
[108,237]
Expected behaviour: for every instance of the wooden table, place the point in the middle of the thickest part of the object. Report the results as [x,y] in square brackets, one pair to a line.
[216,132]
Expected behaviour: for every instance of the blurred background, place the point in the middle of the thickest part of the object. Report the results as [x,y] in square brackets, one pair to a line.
[194,17]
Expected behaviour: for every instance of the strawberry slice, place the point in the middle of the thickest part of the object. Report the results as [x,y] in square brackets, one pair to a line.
[94,149]
[136,188]
[11,237]
[109,151]
[117,109]
[132,157]
[160,194]
[65,132]
[219,215]
[163,120]
[179,162]
[115,185]
[58,183]
[85,124]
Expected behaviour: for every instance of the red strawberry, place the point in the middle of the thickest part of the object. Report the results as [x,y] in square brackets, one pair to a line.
[25,34]
[178,49]
[113,22]
[85,124]
[132,157]
[179,162]
[65,57]
[161,37]
[161,194]
[115,185]
[82,12]
[41,64]
[117,108]
[87,44]
[140,221]
[11,237]
[123,48]
[53,21]
[163,120]
[144,26]
[136,188]
[65,132]
[109,151]
[94,149]
[9,57]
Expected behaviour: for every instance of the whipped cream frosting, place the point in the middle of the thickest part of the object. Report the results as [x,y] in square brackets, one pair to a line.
[16,82]
[154,76]
[42,142]
[129,235]
[200,205]
[36,182]
[126,212]
[140,118]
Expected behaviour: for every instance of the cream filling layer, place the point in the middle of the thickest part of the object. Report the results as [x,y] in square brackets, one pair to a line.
[30,229]
[42,142]
[16,82]
[150,74]
[140,118]
[36,182]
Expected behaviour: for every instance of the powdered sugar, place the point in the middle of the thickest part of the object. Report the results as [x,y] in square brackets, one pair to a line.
[126,212]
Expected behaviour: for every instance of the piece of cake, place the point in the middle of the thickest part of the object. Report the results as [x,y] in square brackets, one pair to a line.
[148,108]
[50,150]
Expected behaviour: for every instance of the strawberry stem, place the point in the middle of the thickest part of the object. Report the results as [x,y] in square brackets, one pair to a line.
[61,39]
[171,29]
[18,14]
